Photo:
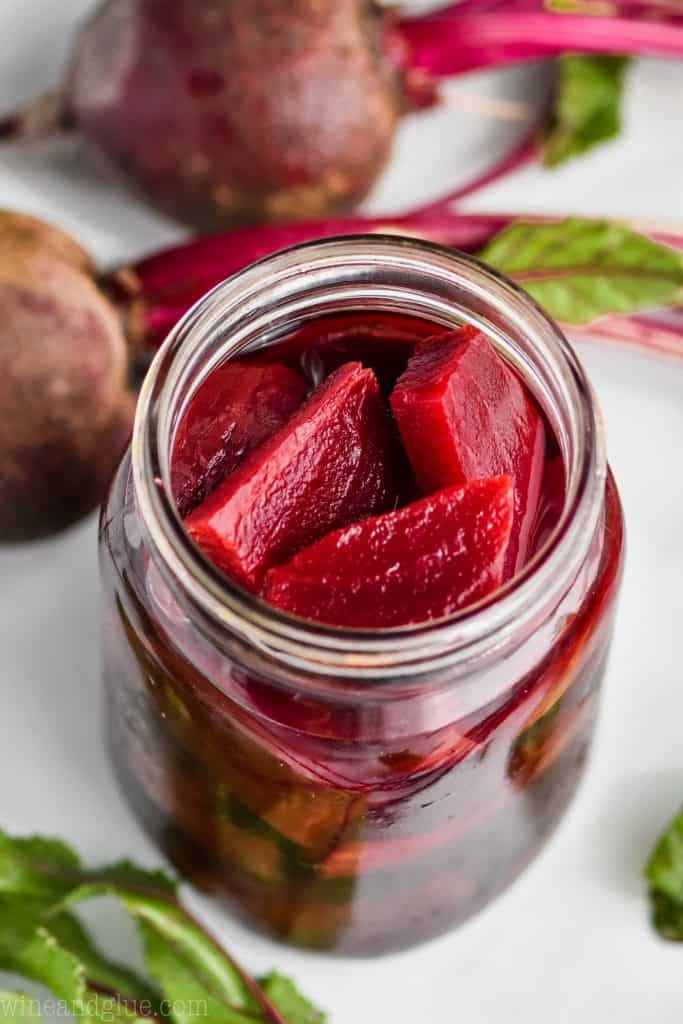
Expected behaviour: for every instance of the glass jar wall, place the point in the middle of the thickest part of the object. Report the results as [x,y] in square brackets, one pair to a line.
[348,790]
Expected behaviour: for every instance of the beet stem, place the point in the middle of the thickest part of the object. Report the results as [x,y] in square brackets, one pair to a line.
[271,1013]
[169,283]
[659,333]
[523,152]
[489,33]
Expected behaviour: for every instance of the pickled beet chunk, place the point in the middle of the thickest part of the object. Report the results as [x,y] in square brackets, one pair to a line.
[328,466]
[463,414]
[421,562]
[237,408]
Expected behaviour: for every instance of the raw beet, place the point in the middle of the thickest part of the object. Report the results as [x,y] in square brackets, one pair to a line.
[238,110]
[328,466]
[231,111]
[463,415]
[241,405]
[66,414]
[421,562]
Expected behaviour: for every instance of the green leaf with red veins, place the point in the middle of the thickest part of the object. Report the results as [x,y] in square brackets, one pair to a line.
[23,918]
[294,1007]
[41,879]
[664,873]
[32,946]
[580,269]
[587,106]
[192,996]
[34,866]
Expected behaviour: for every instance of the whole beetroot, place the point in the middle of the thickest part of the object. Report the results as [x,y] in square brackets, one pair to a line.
[66,413]
[236,111]
[231,111]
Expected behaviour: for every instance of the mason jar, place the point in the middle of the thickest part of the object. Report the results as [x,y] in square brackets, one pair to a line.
[340,789]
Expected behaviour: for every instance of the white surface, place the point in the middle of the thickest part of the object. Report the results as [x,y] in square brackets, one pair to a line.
[570,941]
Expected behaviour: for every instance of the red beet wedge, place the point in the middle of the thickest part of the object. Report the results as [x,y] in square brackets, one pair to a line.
[241,405]
[420,562]
[464,415]
[328,466]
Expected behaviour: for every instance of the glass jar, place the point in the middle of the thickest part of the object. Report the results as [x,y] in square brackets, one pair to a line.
[352,790]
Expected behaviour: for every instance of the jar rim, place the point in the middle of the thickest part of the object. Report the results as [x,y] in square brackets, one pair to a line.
[316,649]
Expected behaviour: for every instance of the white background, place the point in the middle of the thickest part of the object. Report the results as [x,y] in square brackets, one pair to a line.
[571,941]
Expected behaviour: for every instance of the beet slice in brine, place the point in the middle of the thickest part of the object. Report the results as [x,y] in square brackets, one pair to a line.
[238,407]
[329,465]
[463,414]
[420,562]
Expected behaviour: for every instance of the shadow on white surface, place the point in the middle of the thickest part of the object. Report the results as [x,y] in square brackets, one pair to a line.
[629,820]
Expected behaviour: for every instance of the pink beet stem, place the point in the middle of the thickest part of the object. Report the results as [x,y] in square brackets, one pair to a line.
[523,152]
[487,33]
[648,332]
[665,237]
[172,281]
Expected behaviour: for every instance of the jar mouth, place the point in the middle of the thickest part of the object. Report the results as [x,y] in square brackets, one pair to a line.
[361,272]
